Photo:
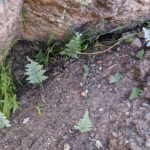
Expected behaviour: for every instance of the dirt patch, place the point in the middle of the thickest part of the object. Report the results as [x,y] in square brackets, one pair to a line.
[118,124]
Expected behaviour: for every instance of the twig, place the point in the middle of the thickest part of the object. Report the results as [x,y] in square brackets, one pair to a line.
[101,52]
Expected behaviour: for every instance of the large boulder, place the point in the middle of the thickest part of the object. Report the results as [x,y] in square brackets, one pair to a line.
[55,16]
[9,21]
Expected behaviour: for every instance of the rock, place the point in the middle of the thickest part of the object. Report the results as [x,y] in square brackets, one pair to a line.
[144,68]
[98,144]
[9,21]
[136,43]
[66,146]
[148,81]
[114,134]
[83,94]
[146,93]
[55,16]
[147,142]
[26,120]
[42,17]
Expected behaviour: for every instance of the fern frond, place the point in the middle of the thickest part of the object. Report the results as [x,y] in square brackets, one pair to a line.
[35,72]
[147,36]
[84,124]
[4,122]
[73,48]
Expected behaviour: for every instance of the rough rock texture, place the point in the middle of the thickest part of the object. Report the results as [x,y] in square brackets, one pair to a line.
[45,16]
[9,21]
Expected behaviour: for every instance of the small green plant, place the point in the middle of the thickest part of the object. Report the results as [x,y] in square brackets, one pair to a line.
[35,72]
[42,55]
[39,108]
[115,78]
[147,36]
[135,93]
[140,54]
[4,122]
[8,100]
[73,48]
[85,124]
[85,71]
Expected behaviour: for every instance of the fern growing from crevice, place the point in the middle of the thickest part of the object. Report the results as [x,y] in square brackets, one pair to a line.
[73,48]
[84,124]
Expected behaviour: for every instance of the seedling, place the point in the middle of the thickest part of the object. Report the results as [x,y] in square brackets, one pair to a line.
[85,124]
[85,71]
[140,54]
[115,78]
[39,108]
[135,93]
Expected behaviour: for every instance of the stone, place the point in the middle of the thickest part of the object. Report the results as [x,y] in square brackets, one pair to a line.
[148,142]
[137,43]
[83,94]
[40,18]
[56,16]
[98,144]
[66,146]
[9,21]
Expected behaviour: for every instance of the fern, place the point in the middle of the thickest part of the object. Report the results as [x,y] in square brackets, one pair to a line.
[85,124]
[73,48]
[3,121]
[35,72]
[147,36]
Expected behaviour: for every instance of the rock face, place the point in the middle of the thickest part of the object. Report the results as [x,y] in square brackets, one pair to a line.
[47,16]
[9,21]
[42,17]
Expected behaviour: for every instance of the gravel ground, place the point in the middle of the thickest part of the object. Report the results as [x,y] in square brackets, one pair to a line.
[118,123]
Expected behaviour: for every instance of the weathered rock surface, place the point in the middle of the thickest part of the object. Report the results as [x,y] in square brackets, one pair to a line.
[46,16]
[9,21]
[42,17]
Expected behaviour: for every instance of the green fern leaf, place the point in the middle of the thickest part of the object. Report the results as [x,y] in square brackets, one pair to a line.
[135,93]
[85,124]
[3,121]
[73,48]
[115,78]
[35,72]
[147,36]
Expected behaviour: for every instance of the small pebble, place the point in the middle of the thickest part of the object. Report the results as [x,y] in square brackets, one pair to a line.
[114,134]
[101,109]
[127,113]
[83,94]
[66,146]
[99,62]
[26,120]
[148,142]
[86,91]
[98,144]
[136,43]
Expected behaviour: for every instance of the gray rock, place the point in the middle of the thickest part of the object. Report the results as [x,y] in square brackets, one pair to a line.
[137,43]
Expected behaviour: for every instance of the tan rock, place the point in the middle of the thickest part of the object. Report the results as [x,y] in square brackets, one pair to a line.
[43,17]
[47,16]
[9,21]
